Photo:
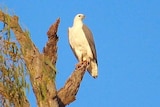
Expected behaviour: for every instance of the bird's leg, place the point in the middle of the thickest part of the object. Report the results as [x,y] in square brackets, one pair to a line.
[82,63]
[83,60]
[78,65]
[86,60]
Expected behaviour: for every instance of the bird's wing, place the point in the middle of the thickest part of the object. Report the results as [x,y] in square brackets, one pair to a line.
[90,40]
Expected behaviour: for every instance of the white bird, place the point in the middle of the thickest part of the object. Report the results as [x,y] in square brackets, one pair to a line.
[82,44]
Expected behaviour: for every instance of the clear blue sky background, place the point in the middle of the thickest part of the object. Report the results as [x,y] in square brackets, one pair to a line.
[127,37]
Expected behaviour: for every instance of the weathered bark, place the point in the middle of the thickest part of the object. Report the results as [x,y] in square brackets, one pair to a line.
[67,94]
[50,50]
[41,67]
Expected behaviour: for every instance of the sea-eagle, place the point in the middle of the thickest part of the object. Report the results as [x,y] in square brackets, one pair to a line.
[82,44]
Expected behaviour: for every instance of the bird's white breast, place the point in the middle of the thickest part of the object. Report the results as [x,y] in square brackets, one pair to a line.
[78,42]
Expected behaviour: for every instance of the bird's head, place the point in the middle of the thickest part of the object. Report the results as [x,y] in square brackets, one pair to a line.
[79,17]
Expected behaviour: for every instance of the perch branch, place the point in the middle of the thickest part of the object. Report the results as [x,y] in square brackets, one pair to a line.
[67,94]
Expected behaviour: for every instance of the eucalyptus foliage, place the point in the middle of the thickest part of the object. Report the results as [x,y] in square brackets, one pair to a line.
[12,68]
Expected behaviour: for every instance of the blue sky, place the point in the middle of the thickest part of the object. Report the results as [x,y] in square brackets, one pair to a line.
[127,37]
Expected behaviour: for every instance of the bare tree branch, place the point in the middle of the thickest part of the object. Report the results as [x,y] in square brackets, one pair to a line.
[50,49]
[67,94]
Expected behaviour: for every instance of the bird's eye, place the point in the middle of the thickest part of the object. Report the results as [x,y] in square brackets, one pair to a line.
[79,15]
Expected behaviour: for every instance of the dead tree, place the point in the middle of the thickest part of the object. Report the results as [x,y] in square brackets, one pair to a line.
[41,67]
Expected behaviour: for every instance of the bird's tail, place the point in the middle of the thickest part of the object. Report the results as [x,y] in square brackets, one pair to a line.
[93,68]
